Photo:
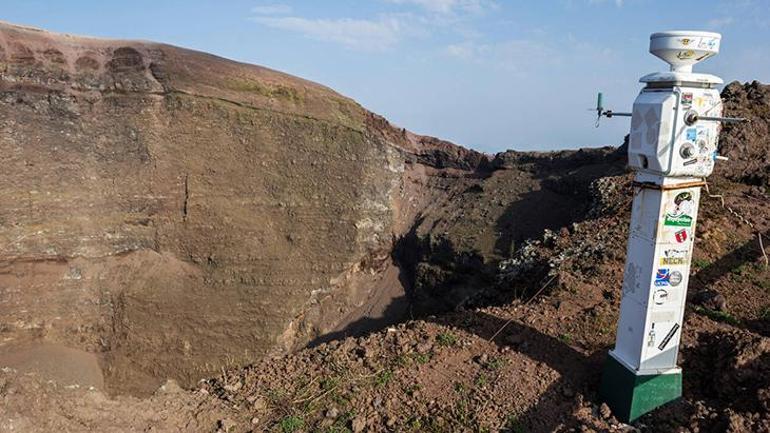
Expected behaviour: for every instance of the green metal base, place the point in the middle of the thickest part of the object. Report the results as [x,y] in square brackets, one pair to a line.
[631,396]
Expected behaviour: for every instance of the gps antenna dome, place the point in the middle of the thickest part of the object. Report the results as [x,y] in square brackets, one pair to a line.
[683,48]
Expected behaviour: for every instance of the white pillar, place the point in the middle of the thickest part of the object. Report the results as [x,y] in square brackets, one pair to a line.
[659,253]
[671,151]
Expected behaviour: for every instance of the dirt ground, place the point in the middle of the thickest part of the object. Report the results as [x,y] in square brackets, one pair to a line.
[491,307]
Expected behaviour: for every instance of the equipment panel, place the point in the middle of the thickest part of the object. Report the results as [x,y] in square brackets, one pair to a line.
[667,136]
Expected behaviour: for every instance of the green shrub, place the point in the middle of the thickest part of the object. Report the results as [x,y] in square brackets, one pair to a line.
[446,339]
[291,424]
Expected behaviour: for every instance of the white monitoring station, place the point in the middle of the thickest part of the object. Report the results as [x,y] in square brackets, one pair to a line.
[672,147]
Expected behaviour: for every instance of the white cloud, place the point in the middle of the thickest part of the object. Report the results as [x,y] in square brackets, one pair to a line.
[449,6]
[369,35]
[525,57]
[376,33]
[273,9]
[464,51]
[618,3]
[519,56]
[718,23]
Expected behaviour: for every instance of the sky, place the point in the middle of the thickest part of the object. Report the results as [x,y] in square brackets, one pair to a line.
[487,74]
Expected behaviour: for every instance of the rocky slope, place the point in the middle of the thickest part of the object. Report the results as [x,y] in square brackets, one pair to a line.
[518,257]
[175,213]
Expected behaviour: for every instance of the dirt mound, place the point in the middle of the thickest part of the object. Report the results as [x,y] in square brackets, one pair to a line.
[747,144]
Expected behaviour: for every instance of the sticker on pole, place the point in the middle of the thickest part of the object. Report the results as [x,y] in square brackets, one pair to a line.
[679,216]
[681,236]
[673,257]
[662,277]
[667,277]
[660,296]
[668,337]
[675,278]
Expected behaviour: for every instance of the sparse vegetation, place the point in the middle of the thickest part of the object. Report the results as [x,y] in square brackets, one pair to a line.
[496,363]
[401,361]
[719,316]
[291,424]
[415,424]
[742,269]
[275,395]
[701,263]
[446,339]
[422,358]
[481,380]
[513,425]
[328,383]
[383,377]
[268,90]
[412,389]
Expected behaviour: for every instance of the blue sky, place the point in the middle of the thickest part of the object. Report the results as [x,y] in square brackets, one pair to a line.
[487,74]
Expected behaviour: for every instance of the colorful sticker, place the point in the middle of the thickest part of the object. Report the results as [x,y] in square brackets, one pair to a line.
[681,236]
[692,134]
[662,277]
[674,257]
[675,278]
[679,217]
[687,99]
[685,55]
[668,337]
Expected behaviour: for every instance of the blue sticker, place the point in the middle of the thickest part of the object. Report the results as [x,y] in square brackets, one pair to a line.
[692,134]
[663,277]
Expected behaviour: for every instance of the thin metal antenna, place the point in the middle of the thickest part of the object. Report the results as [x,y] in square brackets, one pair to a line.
[600,111]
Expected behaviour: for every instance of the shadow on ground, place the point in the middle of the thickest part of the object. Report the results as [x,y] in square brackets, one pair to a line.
[579,372]
[705,278]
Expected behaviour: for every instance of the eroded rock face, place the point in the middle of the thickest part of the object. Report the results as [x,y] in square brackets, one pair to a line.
[177,212]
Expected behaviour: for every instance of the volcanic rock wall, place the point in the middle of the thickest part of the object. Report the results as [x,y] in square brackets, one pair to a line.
[176,212]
